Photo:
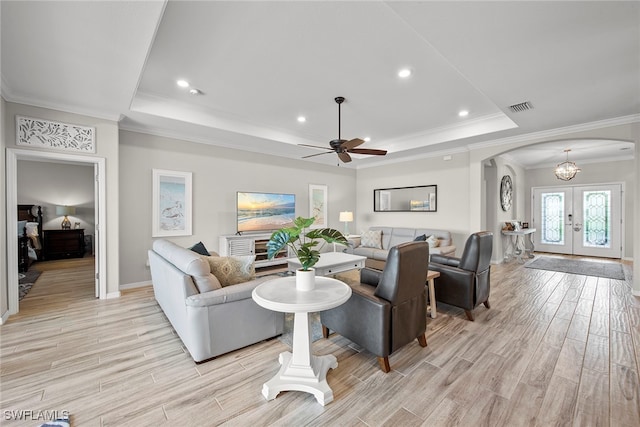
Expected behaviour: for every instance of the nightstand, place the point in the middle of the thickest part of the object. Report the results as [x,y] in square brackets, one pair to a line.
[59,244]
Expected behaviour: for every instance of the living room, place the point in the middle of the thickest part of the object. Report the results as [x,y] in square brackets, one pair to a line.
[139,136]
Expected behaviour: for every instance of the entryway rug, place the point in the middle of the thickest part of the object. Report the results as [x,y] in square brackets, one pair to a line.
[573,266]
[287,333]
[26,281]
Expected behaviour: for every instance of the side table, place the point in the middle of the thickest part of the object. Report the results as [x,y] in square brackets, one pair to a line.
[431,277]
[300,370]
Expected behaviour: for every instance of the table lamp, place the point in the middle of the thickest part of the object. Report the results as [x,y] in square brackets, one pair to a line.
[65,210]
[346,217]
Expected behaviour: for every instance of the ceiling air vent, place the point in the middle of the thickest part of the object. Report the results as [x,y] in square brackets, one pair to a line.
[523,106]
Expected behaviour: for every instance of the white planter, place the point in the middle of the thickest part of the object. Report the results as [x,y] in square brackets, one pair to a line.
[305,280]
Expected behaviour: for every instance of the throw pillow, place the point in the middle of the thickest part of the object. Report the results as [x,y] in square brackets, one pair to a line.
[371,239]
[233,270]
[420,238]
[200,248]
[433,241]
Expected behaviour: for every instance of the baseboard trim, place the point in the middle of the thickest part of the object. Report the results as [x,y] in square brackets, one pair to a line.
[111,295]
[4,318]
[135,285]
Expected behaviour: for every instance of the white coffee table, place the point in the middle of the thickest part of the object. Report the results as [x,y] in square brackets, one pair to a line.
[300,370]
[331,263]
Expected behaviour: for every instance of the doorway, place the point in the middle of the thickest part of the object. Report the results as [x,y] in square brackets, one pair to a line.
[579,220]
[98,163]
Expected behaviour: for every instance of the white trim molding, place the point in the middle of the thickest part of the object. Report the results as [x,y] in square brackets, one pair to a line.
[52,135]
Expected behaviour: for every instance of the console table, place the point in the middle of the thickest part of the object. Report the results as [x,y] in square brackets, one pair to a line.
[519,243]
[300,370]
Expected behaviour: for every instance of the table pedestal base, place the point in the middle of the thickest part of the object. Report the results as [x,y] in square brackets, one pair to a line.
[310,379]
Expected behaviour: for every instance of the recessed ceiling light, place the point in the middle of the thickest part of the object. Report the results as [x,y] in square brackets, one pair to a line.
[302,119]
[404,73]
[367,139]
[183,83]
[463,113]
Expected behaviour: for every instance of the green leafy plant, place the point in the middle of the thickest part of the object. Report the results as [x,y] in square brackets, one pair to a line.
[303,244]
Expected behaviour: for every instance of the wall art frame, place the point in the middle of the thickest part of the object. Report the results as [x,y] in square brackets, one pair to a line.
[318,195]
[51,135]
[172,203]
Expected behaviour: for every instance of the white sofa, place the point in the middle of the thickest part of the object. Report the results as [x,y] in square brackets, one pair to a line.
[392,236]
[213,322]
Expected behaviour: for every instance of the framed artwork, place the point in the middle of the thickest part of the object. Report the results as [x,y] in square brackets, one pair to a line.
[318,205]
[506,193]
[171,203]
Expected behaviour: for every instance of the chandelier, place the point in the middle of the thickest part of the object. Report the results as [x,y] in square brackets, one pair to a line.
[566,170]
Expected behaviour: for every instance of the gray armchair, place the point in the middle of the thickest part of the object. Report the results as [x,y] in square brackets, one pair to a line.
[387,310]
[465,282]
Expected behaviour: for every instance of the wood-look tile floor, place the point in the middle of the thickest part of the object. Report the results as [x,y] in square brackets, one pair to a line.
[554,349]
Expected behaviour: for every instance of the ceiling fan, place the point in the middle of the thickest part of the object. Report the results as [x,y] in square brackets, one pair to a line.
[342,147]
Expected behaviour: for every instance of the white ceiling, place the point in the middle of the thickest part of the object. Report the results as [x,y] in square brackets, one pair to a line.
[260,65]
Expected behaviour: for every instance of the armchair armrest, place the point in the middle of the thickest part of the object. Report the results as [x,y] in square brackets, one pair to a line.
[370,276]
[363,319]
[444,260]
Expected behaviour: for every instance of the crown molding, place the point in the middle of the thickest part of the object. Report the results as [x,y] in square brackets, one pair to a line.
[599,124]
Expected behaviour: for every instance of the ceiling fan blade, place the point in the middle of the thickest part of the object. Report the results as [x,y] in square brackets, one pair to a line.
[369,151]
[344,156]
[314,146]
[352,143]
[318,154]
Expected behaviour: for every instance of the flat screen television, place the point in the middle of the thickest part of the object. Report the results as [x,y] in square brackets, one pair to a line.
[265,211]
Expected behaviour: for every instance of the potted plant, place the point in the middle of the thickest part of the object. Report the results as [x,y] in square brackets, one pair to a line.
[304,245]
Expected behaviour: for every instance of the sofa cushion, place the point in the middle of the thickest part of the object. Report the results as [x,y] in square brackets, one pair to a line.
[433,241]
[189,262]
[371,239]
[233,270]
[421,238]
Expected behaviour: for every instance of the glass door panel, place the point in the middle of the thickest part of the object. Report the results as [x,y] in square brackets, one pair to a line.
[553,220]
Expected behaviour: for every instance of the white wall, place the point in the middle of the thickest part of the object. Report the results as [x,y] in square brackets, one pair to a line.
[452,179]
[218,173]
[50,184]
[594,173]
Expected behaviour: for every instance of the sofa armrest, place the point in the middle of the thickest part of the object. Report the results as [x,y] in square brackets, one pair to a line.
[227,294]
[354,242]
[444,260]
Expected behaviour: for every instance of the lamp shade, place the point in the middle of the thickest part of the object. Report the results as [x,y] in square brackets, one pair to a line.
[65,210]
[346,216]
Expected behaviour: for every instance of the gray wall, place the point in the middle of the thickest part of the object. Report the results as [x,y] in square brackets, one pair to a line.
[218,173]
[50,184]
[4,297]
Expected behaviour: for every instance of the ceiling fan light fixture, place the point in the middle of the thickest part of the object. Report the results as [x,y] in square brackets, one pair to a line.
[566,170]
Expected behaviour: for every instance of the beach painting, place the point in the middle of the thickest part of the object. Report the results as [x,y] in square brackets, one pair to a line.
[265,211]
[171,203]
[318,205]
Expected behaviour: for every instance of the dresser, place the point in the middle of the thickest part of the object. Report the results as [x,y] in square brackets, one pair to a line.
[60,244]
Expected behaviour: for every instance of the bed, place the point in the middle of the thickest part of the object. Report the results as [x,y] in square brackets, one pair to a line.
[29,235]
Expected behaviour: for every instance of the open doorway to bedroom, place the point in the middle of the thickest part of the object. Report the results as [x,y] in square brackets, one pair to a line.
[70,185]
[64,194]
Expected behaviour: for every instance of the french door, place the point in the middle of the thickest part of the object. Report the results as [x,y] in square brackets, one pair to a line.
[581,220]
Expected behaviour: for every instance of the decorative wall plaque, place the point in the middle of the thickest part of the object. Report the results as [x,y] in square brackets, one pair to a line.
[46,134]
